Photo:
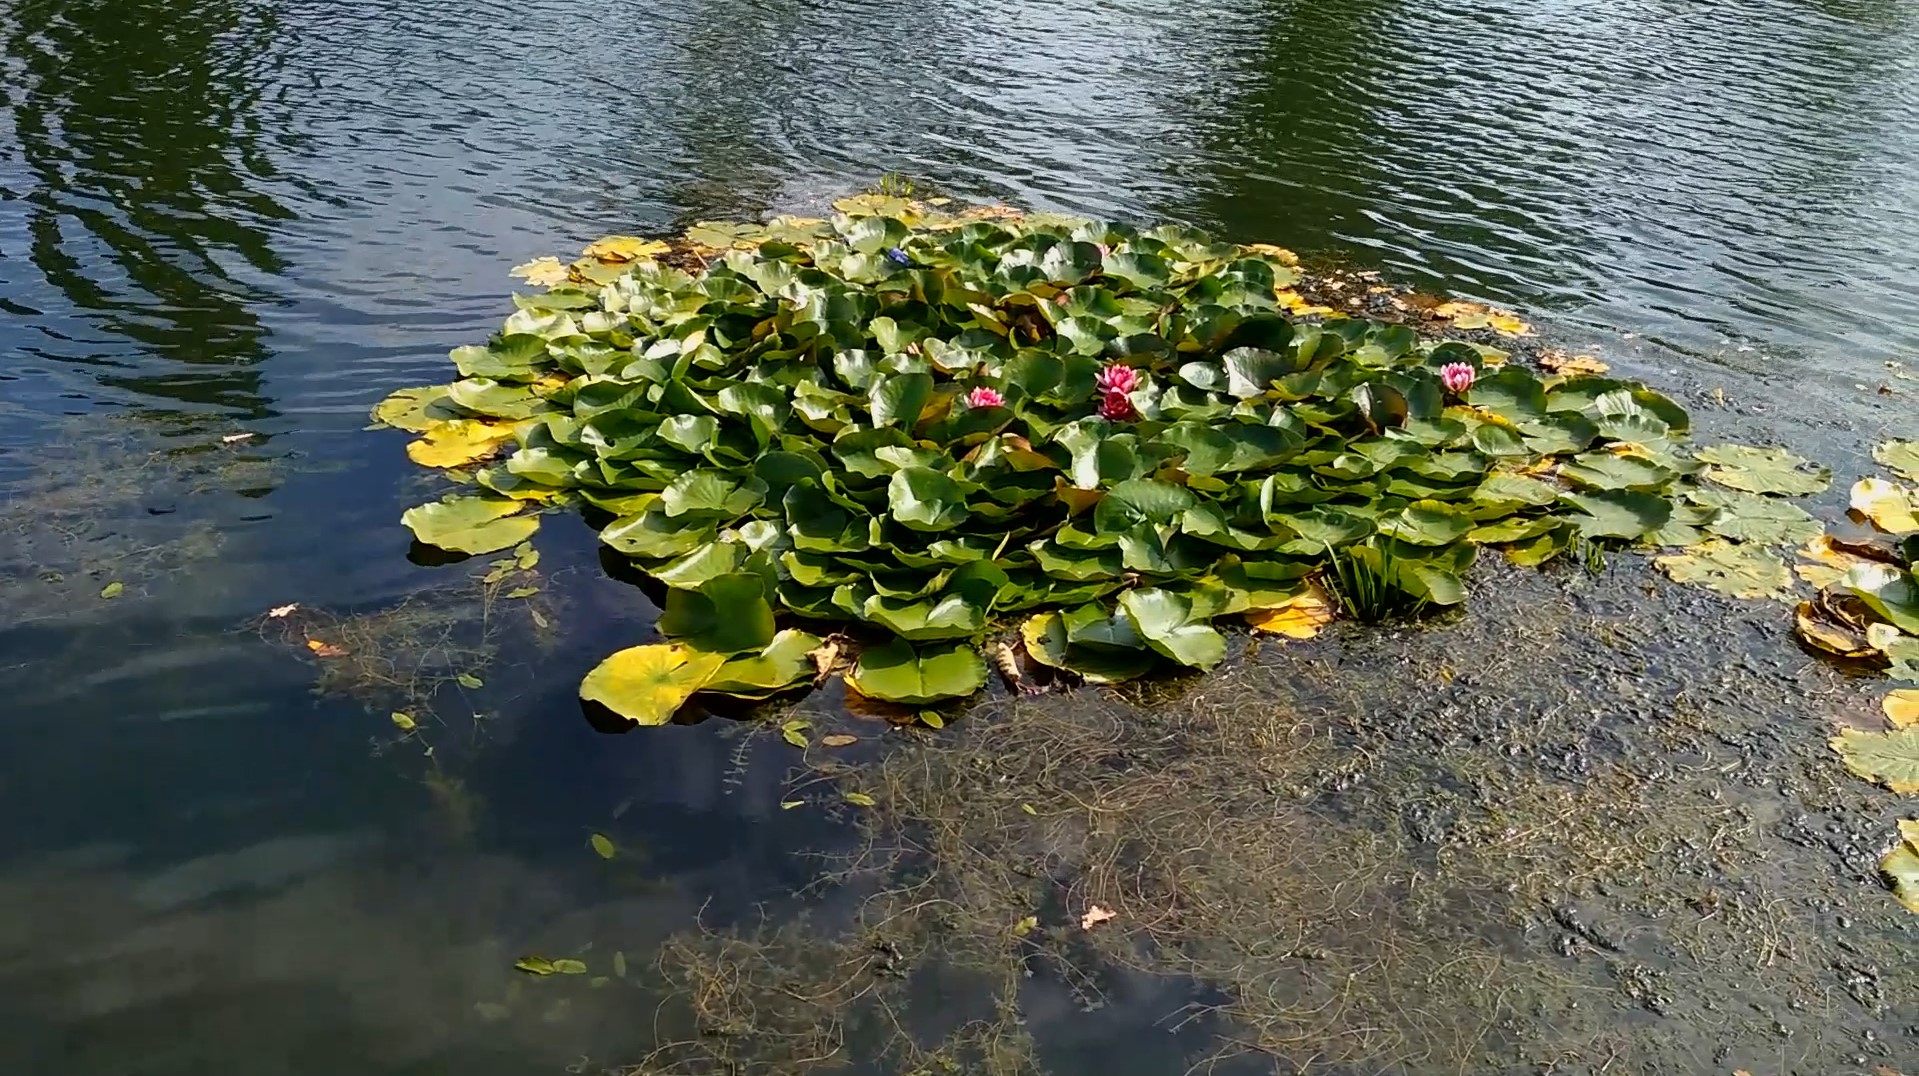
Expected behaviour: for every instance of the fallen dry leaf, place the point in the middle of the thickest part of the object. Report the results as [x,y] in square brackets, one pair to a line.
[625,248]
[1902,708]
[280,611]
[839,740]
[1094,916]
[828,657]
[1299,617]
[236,438]
[325,650]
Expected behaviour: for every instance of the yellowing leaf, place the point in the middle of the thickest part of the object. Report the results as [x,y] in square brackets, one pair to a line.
[325,650]
[788,805]
[541,272]
[1890,506]
[1901,456]
[1740,571]
[794,732]
[113,589]
[1026,926]
[457,442]
[648,684]
[1559,362]
[838,740]
[625,248]
[1508,324]
[403,722]
[1298,617]
[1890,758]
[280,611]
[1902,708]
[570,967]
[860,799]
[1278,254]
[1095,915]
[603,845]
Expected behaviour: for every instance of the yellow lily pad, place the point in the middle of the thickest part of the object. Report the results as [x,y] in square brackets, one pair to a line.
[1890,506]
[1901,865]
[625,248]
[415,410]
[541,272]
[1299,617]
[458,442]
[1890,758]
[1740,571]
[471,524]
[648,684]
[1901,456]
[1902,708]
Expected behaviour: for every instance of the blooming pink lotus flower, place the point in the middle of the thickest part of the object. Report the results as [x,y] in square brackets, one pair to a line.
[985,397]
[1457,377]
[1115,407]
[1116,379]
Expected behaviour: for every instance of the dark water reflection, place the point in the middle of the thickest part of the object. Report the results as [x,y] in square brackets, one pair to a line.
[262,215]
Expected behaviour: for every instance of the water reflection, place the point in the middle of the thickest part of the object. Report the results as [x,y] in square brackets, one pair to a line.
[140,133]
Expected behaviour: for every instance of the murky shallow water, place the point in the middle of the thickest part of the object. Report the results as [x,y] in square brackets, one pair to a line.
[224,217]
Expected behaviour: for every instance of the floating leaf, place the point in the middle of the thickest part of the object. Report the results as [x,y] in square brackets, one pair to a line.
[624,248]
[403,722]
[1559,362]
[648,684]
[1763,470]
[458,442]
[324,649]
[470,681]
[1902,708]
[794,732]
[543,272]
[1739,571]
[534,965]
[785,662]
[1094,916]
[1901,456]
[1621,513]
[1169,625]
[603,845]
[1901,868]
[1891,593]
[898,671]
[727,614]
[1750,517]
[1890,506]
[1300,617]
[838,740]
[471,524]
[415,410]
[570,967]
[1890,758]
[860,799]
[113,589]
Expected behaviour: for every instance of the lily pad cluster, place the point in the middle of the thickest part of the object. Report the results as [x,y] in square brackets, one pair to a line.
[930,430]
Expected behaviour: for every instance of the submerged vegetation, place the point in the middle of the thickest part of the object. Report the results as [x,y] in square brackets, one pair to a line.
[932,428]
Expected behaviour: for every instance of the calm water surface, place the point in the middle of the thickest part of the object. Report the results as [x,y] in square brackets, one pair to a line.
[222,216]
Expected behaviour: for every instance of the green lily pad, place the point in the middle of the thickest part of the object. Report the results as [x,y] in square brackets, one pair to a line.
[471,524]
[1428,523]
[1891,593]
[416,410]
[1167,622]
[1618,513]
[1763,470]
[727,614]
[926,500]
[1736,570]
[785,662]
[1751,517]
[648,684]
[1890,758]
[898,671]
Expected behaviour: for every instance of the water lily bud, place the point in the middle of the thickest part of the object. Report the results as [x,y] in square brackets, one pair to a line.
[1457,377]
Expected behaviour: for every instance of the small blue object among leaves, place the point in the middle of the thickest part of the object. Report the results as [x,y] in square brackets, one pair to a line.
[899,256]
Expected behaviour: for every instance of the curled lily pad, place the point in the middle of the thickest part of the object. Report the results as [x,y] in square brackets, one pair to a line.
[1901,865]
[471,524]
[1170,626]
[1763,470]
[899,671]
[1733,569]
[784,663]
[648,684]
[727,614]
[1891,507]
[1891,592]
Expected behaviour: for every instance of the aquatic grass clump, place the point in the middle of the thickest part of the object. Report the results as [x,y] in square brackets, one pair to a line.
[929,429]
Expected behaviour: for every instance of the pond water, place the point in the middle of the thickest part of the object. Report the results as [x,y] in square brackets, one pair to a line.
[223,217]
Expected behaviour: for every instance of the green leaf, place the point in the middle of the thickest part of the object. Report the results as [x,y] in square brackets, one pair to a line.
[113,589]
[785,662]
[1750,517]
[727,614]
[653,535]
[470,681]
[1891,593]
[1141,500]
[1763,470]
[1739,571]
[1166,621]
[603,845]
[1606,470]
[898,671]
[1618,513]
[899,400]
[1512,393]
[926,500]
[471,524]
[1428,523]
[711,494]
[1250,372]
[417,409]
[648,684]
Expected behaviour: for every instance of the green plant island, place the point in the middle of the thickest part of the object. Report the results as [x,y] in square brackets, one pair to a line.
[1053,439]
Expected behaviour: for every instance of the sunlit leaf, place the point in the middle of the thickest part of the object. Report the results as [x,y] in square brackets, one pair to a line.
[899,671]
[459,442]
[471,524]
[648,684]
[1901,456]
[1890,758]
[1736,570]
[1763,470]
[543,272]
[603,846]
[624,248]
[1891,507]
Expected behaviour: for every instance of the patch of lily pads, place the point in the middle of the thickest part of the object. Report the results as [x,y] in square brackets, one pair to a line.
[879,443]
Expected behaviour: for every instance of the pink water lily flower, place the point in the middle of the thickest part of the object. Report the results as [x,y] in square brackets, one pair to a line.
[985,397]
[1457,377]
[1115,407]
[1116,379]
